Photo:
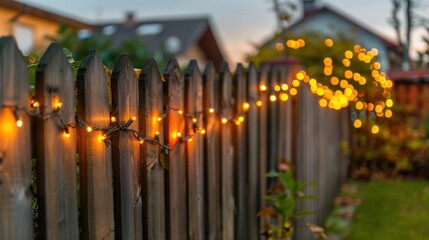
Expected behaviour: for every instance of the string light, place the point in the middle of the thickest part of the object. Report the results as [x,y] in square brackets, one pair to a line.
[273,98]
[211,110]
[113,119]
[89,129]
[224,120]
[263,88]
[19,122]
[259,103]
[246,106]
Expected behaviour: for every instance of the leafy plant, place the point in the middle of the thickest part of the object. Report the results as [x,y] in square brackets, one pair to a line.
[282,198]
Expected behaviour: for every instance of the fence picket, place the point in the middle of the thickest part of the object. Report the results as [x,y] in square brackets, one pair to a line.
[154,158]
[125,153]
[56,153]
[15,146]
[252,153]
[95,162]
[194,152]
[211,153]
[273,123]
[174,98]
[227,153]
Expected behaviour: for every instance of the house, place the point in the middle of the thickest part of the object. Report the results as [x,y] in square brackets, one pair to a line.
[30,25]
[328,21]
[182,38]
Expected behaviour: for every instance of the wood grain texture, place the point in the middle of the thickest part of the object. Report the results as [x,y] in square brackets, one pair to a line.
[273,121]
[153,157]
[211,153]
[96,191]
[253,147]
[174,90]
[225,104]
[15,146]
[56,154]
[194,153]
[126,153]
[240,155]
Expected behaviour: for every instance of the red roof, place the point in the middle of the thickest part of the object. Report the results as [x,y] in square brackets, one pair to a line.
[411,75]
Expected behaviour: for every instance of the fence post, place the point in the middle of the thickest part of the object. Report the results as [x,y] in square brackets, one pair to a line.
[227,153]
[211,153]
[252,153]
[194,151]
[56,153]
[15,148]
[125,153]
[154,157]
[175,127]
[95,162]
[273,123]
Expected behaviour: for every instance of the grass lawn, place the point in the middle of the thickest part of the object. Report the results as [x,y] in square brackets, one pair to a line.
[392,210]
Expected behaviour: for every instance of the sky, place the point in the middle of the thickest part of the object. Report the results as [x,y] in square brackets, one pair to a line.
[239,24]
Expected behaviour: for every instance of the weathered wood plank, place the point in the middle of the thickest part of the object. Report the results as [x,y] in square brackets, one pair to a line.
[273,124]
[15,147]
[194,152]
[174,98]
[227,153]
[153,157]
[56,153]
[126,153]
[252,153]
[211,153]
[95,166]
[240,155]
[263,141]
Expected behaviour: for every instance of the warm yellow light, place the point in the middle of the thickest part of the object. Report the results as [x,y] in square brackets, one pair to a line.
[375,129]
[300,76]
[19,122]
[156,134]
[357,123]
[178,134]
[301,42]
[141,141]
[263,88]
[159,119]
[277,88]
[259,103]
[323,102]
[335,81]
[388,113]
[320,92]
[113,119]
[224,120]
[284,97]
[190,140]
[376,65]
[203,131]
[378,109]
[348,54]
[285,87]
[329,42]
[327,61]
[370,107]
[241,119]
[180,112]
[295,83]
[211,110]
[58,105]
[246,106]
[346,62]
[279,46]
[348,74]
[103,137]
[273,98]
[133,118]
[357,48]
[389,103]
[66,134]
[36,104]
[344,83]
[293,91]
[312,81]
[89,129]
[194,120]
[359,105]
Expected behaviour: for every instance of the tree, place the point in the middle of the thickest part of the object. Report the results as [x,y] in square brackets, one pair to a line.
[396,23]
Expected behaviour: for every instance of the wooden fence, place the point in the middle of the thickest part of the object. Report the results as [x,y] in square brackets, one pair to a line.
[160,155]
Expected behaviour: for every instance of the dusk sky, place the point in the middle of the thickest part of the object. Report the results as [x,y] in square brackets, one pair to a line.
[238,23]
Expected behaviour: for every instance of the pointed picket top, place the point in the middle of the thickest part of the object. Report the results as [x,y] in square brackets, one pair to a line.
[174,97]
[15,144]
[225,91]
[125,152]
[12,93]
[95,156]
[56,154]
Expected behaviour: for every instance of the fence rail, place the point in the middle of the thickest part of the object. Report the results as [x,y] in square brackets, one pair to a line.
[160,155]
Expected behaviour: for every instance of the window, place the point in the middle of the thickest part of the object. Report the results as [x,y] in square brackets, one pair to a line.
[24,36]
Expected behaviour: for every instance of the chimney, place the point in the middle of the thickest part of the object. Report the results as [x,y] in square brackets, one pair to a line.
[130,21]
[308,5]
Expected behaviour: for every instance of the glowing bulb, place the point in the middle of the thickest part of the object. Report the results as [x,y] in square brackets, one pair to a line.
[259,103]
[241,119]
[203,131]
[211,110]
[141,141]
[89,129]
[357,123]
[58,105]
[284,97]
[388,113]
[285,87]
[103,137]
[295,83]
[180,112]
[36,104]
[178,134]
[159,119]
[194,120]
[190,140]
[359,105]
[277,88]
[224,120]
[263,88]
[19,122]
[156,134]
[389,103]
[375,129]
[329,42]
[113,119]
[237,122]
[133,118]
[246,106]
[293,91]
[273,98]
[323,102]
